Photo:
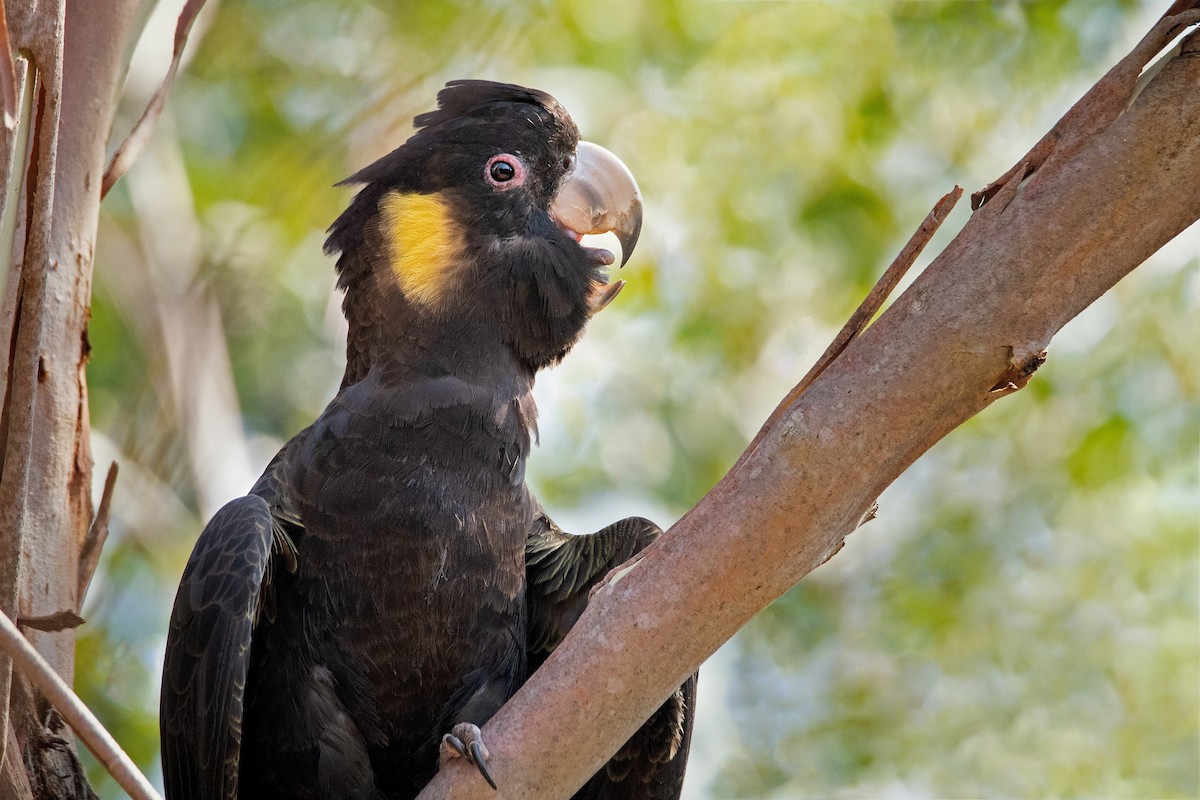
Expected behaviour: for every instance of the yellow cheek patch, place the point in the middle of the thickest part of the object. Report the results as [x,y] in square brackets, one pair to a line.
[424,242]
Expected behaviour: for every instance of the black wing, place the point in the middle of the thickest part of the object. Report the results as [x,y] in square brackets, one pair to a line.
[650,766]
[561,570]
[224,589]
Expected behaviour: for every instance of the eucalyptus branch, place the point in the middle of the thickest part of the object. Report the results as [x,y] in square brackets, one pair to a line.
[1119,178]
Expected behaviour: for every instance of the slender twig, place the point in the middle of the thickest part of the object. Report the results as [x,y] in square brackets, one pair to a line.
[93,543]
[77,715]
[866,310]
[136,142]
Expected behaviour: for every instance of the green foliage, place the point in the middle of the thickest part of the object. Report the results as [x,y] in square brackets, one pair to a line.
[1020,620]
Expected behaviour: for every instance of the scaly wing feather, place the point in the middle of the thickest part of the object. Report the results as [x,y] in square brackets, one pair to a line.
[561,570]
[208,651]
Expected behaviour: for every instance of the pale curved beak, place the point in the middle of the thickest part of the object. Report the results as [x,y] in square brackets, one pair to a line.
[600,195]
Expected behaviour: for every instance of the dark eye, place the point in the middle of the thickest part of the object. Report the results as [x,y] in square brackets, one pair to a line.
[504,171]
[568,163]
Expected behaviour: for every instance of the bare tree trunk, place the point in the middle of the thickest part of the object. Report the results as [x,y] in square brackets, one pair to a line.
[1110,185]
[75,53]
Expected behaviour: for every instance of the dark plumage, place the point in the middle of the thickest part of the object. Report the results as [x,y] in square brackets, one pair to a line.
[561,570]
[390,576]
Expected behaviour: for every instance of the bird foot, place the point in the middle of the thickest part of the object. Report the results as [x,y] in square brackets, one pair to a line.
[465,741]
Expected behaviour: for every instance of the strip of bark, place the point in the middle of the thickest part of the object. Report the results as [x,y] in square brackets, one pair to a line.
[1018,271]
[8,75]
[1102,104]
[40,35]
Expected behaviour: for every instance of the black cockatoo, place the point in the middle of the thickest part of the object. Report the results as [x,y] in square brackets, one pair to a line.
[390,581]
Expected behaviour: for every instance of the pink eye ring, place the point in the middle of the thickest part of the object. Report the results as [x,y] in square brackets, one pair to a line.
[504,171]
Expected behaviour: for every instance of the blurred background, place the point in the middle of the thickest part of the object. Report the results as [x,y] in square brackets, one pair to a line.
[1022,618]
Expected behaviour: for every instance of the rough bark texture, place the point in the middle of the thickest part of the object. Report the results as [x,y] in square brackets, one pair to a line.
[78,53]
[971,329]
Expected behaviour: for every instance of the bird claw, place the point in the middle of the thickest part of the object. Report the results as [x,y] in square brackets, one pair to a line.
[466,741]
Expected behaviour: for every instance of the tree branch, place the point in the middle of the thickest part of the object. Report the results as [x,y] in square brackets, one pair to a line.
[982,314]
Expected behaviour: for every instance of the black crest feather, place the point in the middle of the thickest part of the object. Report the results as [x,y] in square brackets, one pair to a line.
[468,102]
[469,111]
